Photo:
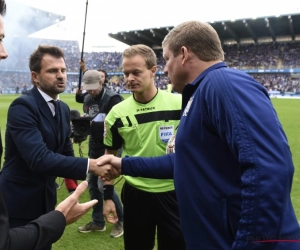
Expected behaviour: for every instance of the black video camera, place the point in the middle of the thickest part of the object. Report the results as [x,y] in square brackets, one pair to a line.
[80,127]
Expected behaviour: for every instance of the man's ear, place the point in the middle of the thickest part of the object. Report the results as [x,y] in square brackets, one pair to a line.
[184,54]
[153,70]
[34,77]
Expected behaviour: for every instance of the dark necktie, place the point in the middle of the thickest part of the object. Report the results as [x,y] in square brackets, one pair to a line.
[57,117]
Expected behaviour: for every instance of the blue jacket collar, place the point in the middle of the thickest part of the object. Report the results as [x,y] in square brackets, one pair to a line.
[190,88]
[205,72]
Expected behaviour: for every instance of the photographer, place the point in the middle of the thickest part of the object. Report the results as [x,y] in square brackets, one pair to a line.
[79,97]
[97,103]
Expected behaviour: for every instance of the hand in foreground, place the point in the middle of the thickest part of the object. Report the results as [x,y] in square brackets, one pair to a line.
[71,208]
[110,212]
[110,166]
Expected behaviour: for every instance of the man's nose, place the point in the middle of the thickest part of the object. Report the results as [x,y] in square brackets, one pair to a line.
[165,70]
[60,74]
[130,77]
[3,53]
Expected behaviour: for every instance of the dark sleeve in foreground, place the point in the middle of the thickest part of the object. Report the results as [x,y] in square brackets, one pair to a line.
[80,97]
[46,230]
[160,167]
[1,149]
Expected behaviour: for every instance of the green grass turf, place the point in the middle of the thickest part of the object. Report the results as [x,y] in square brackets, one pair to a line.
[288,111]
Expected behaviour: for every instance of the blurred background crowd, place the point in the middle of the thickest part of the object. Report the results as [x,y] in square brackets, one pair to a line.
[15,77]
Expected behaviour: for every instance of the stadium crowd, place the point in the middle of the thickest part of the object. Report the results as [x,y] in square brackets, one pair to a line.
[263,56]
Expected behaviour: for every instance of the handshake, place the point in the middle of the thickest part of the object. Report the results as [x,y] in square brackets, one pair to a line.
[107,167]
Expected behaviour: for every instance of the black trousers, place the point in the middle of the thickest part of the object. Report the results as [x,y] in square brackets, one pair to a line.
[147,215]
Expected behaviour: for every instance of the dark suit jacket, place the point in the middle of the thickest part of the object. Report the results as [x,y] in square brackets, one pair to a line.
[1,148]
[37,234]
[33,157]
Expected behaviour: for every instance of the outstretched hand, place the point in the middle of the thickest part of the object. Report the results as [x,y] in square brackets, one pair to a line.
[71,208]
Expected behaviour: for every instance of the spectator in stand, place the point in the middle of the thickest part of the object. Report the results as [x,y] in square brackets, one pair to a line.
[24,90]
[17,89]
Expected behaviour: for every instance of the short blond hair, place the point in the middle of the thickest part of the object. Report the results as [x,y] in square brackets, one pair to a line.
[146,52]
[201,38]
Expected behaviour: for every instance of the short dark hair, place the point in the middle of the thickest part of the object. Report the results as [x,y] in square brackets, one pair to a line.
[2,7]
[37,56]
[105,73]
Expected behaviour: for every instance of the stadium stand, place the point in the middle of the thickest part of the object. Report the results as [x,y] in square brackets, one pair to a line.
[266,48]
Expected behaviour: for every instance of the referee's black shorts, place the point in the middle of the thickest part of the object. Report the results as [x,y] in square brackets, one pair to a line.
[146,212]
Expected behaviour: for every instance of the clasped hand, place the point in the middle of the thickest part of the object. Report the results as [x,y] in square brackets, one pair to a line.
[108,167]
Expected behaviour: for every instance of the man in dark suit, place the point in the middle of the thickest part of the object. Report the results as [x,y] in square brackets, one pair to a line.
[1,149]
[49,227]
[38,146]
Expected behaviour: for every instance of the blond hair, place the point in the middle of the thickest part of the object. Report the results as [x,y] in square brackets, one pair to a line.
[146,52]
[201,38]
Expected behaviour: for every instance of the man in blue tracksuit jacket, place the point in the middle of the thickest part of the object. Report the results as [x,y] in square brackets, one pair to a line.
[232,165]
